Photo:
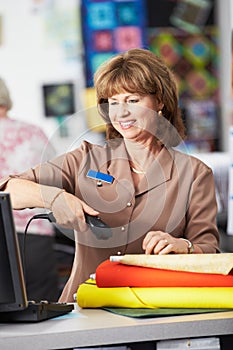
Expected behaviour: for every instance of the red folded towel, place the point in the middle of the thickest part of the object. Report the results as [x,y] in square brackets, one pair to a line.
[115,274]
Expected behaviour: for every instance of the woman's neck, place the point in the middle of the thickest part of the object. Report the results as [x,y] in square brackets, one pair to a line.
[141,156]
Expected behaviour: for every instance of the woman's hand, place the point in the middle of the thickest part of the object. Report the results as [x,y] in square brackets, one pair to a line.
[159,242]
[69,211]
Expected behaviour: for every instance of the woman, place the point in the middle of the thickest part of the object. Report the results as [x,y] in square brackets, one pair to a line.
[156,200]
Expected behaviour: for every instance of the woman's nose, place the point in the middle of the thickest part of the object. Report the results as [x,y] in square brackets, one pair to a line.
[122,109]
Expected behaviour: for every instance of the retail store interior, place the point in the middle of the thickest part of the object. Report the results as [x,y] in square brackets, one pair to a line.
[49,50]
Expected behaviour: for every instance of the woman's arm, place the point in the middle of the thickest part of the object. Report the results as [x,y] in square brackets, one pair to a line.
[29,194]
[68,210]
[201,228]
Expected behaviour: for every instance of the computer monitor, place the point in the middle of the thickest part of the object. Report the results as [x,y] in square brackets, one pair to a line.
[14,306]
[12,285]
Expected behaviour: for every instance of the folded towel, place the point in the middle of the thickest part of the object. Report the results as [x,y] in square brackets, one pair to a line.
[91,296]
[208,263]
[114,274]
[158,312]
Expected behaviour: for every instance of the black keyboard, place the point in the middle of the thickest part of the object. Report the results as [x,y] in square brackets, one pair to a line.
[36,312]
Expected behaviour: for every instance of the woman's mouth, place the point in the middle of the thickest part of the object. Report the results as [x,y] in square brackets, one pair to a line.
[126,124]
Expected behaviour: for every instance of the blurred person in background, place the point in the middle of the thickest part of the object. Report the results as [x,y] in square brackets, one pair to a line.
[23,145]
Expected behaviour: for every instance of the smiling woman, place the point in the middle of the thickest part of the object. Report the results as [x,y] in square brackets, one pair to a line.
[131,117]
[140,73]
[159,200]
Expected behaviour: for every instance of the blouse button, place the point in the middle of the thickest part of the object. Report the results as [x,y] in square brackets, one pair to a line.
[129,204]
[122,228]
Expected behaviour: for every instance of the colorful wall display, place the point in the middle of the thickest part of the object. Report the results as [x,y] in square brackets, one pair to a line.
[110,27]
[193,59]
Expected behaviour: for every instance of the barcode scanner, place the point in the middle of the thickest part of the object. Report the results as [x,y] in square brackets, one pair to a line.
[97,226]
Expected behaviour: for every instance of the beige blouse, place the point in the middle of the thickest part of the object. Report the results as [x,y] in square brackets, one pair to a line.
[177,195]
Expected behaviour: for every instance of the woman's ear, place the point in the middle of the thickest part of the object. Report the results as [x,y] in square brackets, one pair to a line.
[160,105]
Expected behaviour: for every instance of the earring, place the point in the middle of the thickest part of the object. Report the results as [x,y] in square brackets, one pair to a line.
[160,113]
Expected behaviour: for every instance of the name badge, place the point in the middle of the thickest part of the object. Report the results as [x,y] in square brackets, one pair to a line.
[98,176]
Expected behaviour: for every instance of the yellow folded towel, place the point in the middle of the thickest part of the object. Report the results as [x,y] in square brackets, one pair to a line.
[91,296]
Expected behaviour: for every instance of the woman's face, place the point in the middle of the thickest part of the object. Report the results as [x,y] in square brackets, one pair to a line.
[133,115]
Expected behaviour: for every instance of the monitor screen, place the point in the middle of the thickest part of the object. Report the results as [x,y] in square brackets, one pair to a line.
[58,99]
[12,285]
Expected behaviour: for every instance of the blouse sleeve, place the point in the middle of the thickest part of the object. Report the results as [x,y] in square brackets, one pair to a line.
[201,226]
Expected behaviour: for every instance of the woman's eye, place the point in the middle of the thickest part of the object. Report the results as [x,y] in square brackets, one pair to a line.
[133,100]
[128,101]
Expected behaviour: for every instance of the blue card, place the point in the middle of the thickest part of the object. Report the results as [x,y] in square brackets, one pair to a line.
[96,175]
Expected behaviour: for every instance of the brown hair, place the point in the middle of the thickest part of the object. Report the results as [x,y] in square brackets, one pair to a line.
[141,71]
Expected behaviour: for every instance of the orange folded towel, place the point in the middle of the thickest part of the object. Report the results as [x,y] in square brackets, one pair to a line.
[115,274]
